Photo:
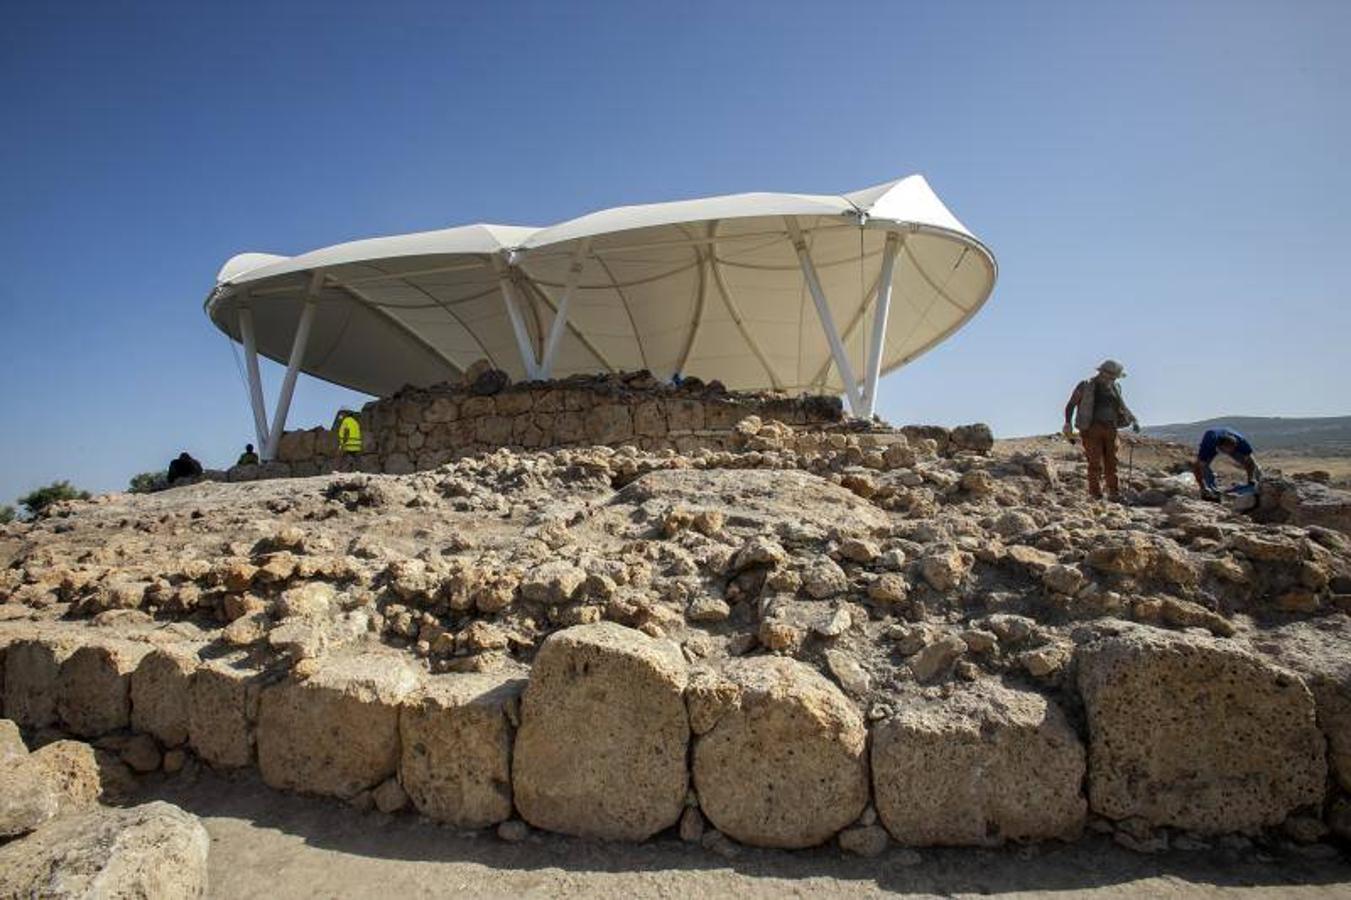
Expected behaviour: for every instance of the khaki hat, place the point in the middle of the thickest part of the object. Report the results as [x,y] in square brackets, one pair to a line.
[1113,368]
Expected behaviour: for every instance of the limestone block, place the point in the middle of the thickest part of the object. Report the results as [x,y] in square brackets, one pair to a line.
[577,401]
[493,430]
[1196,733]
[976,437]
[441,409]
[222,707]
[569,428]
[477,407]
[984,765]
[455,761]
[11,742]
[548,401]
[723,415]
[514,403]
[296,445]
[337,732]
[409,410]
[59,778]
[526,433]
[93,691]
[160,693]
[32,666]
[604,735]
[71,768]
[154,850]
[461,433]
[608,423]
[397,464]
[437,438]
[683,414]
[648,419]
[783,764]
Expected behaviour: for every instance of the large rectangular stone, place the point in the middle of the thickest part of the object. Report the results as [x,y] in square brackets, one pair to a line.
[456,748]
[980,766]
[161,694]
[684,415]
[222,707]
[336,732]
[93,692]
[32,667]
[1194,732]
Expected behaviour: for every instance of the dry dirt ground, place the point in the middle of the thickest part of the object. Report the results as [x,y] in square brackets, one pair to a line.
[266,844]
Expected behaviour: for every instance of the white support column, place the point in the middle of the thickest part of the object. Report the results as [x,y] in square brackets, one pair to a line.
[880,324]
[255,380]
[288,384]
[546,366]
[517,320]
[823,313]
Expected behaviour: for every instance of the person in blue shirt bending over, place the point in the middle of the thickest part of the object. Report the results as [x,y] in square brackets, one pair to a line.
[1231,444]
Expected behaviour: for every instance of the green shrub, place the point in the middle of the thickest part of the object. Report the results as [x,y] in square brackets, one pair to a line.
[6,514]
[34,503]
[146,482]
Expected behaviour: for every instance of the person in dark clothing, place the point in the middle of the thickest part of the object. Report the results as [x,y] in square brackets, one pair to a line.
[1231,444]
[184,467]
[1097,410]
[248,457]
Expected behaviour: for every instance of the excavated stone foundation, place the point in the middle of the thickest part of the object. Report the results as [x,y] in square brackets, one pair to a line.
[813,636]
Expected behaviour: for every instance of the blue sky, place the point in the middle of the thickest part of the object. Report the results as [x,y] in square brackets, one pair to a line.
[1163,182]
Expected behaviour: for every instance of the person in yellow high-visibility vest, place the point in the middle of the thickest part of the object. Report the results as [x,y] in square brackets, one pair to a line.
[349,438]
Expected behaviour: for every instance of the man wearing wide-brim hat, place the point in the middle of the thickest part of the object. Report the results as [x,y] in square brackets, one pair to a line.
[1097,410]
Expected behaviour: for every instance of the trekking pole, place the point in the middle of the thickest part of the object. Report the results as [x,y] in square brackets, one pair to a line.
[1130,461]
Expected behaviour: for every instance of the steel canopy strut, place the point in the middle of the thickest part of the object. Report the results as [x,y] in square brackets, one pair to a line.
[298,347]
[823,313]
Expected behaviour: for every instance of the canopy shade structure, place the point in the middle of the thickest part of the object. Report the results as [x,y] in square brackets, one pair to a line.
[792,292]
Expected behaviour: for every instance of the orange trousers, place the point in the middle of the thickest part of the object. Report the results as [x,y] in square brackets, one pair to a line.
[1100,450]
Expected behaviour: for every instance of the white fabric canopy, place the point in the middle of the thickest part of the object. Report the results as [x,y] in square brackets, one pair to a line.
[720,288]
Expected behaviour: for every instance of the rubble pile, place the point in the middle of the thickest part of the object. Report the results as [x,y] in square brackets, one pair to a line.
[56,840]
[802,635]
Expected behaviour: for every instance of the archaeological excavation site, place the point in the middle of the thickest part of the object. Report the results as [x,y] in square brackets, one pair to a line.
[804,634]
[612,560]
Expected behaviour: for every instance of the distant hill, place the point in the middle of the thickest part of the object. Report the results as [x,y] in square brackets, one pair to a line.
[1331,434]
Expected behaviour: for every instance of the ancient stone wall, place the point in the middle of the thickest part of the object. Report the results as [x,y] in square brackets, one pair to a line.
[614,735]
[419,429]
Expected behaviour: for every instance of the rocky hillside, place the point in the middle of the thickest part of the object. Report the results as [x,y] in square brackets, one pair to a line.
[1314,436]
[805,637]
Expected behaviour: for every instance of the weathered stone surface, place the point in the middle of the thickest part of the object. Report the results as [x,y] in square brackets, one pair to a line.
[867,841]
[604,734]
[1317,651]
[1195,733]
[946,568]
[783,765]
[390,797]
[72,769]
[32,667]
[222,707]
[160,694]
[1304,503]
[25,802]
[337,732]
[11,742]
[455,760]
[552,582]
[152,851]
[93,691]
[59,778]
[938,657]
[981,766]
